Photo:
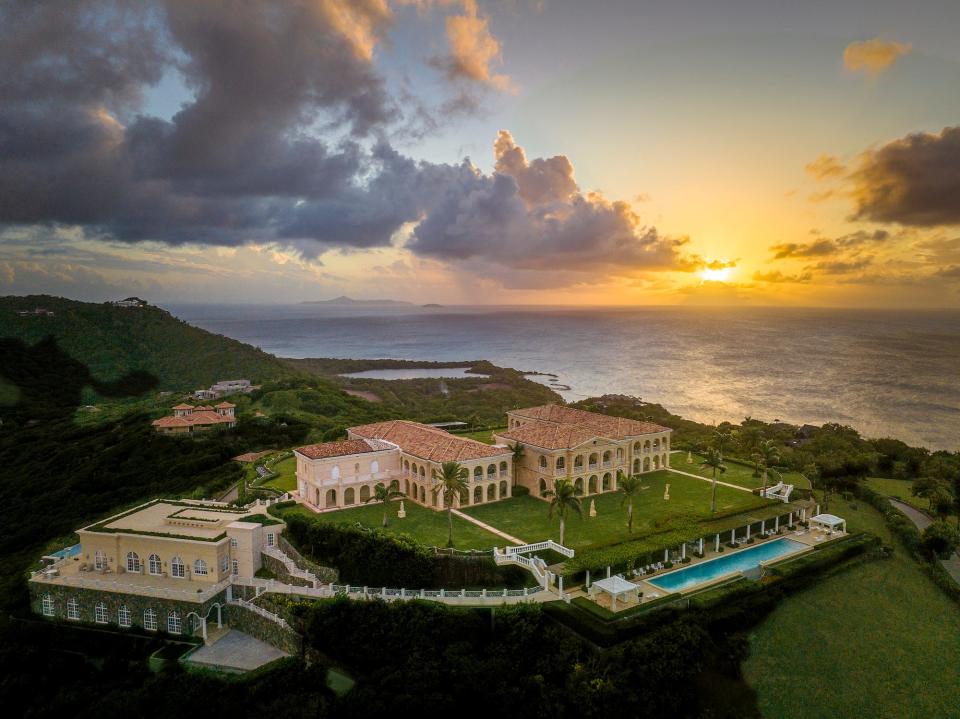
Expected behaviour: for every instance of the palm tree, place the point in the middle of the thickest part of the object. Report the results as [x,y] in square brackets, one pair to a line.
[629,486]
[562,497]
[451,483]
[766,456]
[720,437]
[383,494]
[713,459]
[518,451]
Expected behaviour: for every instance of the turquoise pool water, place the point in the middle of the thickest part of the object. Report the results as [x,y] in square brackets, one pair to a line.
[66,552]
[737,562]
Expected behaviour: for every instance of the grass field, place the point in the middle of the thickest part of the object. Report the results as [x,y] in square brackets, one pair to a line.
[424,525]
[286,479]
[879,640]
[899,488]
[484,435]
[526,517]
[738,474]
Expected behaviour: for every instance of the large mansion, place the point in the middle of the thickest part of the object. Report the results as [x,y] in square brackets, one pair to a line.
[557,441]
[590,448]
[188,418]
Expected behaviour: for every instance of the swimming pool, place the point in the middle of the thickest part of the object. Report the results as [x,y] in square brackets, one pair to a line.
[66,552]
[707,571]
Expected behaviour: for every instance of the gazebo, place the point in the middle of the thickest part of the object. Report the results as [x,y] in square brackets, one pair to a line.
[615,586]
[830,521]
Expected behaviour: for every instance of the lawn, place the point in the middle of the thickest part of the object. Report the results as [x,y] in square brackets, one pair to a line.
[424,525]
[526,517]
[484,435]
[879,640]
[898,488]
[736,473]
[286,479]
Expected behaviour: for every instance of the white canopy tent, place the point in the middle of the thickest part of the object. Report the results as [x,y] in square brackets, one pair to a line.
[616,587]
[830,521]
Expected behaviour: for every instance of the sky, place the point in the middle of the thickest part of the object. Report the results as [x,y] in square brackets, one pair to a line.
[482,152]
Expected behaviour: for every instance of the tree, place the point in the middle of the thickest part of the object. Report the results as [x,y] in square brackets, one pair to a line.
[766,456]
[939,539]
[563,497]
[749,438]
[936,491]
[721,436]
[629,487]
[451,483]
[713,459]
[383,494]
[518,452]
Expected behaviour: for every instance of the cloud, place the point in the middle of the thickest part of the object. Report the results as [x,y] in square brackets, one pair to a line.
[828,246]
[472,50]
[542,180]
[951,273]
[776,276]
[825,167]
[873,56]
[837,267]
[914,180]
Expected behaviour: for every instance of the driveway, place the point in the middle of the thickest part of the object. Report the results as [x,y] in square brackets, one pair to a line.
[922,520]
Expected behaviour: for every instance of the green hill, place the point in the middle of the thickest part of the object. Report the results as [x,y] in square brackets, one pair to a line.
[113,341]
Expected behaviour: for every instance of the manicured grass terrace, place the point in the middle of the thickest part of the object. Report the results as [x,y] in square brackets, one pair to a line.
[286,479]
[738,474]
[426,526]
[526,517]
[878,640]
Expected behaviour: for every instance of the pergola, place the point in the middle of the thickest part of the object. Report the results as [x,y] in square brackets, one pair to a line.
[830,521]
[615,586]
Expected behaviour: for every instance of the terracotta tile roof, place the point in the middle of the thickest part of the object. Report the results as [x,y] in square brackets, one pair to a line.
[182,406]
[194,418]
[428,443]
[554,426]
[171,422]
[343,448]
[224,405]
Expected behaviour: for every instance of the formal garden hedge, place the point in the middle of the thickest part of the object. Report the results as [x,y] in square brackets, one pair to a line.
[371,557]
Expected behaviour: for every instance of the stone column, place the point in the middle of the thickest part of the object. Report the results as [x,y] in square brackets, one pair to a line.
[776,523]
[701,545]
[666,555]
[748,531]
[763,526]
[683,551]
[219,618]
[717,543]
[588,579]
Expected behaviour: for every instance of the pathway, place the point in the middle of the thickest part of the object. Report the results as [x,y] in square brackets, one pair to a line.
[484,525]
[922,520]
[707,479]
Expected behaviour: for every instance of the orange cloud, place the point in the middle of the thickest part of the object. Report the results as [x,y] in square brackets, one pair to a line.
[473,50]
[825,167]
[873,56]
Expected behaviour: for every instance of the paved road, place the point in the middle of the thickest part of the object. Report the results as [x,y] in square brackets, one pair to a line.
[922,520]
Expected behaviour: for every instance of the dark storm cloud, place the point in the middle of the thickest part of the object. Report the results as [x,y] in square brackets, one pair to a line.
[248,159]
[912,181]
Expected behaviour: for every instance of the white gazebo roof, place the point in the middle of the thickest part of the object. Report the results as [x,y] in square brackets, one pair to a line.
[615,585]
[829,520]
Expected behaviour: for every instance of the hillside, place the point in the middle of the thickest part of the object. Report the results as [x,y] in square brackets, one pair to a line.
[113,341]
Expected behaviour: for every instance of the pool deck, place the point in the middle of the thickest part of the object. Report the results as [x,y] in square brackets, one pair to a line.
[808,537]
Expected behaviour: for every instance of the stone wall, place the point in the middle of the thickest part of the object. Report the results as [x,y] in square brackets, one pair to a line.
[249,622]
[327,575]
[136,604]
[281,572]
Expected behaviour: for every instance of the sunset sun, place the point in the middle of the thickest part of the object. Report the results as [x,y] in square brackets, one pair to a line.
[720,274]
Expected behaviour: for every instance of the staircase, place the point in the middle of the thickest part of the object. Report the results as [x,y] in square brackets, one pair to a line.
[292,569]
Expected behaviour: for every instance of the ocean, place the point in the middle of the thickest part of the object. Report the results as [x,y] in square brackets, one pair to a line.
[886,373]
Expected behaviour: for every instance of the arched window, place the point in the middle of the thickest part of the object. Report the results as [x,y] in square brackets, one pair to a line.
[578,463]
[503,469]
[636,447]
[415,470]
[578,486]
[561,464]
[153,564]
[606,458]
[46,604]
[502,489]
[423,472]
[133,562]
[543,486]
[100,615]
[364,493]
[150,620]
[335,472]
[607,482]
[174,625]
[656,443]
[406,466]
[478,494]
[619,454]
[374,467]
[200,567]
[177,568]
[543,462]
[477,474]
[492,471]
[73,608]
[349,496]
[99,560]
[123,616]
[491,492]
[331,498]
[594,459]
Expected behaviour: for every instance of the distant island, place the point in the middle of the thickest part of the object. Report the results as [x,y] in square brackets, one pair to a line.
[432,304]
[344,300]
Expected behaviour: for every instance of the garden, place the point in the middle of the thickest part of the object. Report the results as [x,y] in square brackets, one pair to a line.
[738,473]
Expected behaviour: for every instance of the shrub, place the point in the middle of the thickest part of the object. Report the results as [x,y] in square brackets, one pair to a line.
[939,539]
[520,491]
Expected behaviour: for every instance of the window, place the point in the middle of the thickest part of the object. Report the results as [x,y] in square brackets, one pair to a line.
[233,542]
[236,568]
[543,462]
[123,616]
[177,569]
[224,563]
[99,560]
[200,567]
[335,472]
[173,622]
[153,564]
[270,539]
[47,605]
[133,562]
[100,613]
[150,620]
[374,467]
[73,608]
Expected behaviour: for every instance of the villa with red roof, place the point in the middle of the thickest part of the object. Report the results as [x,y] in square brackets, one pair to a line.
[187,418]
[558,442]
